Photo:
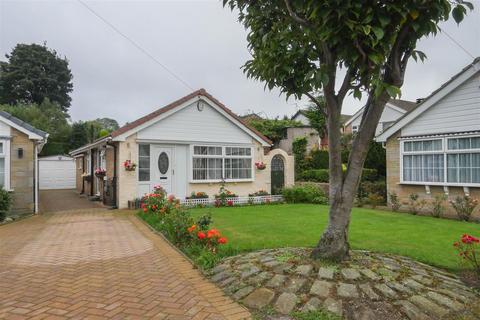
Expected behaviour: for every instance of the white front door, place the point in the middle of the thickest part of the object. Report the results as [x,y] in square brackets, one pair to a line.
[161,164]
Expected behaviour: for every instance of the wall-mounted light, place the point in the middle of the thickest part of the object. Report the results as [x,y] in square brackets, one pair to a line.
[20,153]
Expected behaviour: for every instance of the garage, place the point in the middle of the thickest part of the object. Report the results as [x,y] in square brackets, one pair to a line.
[56,172]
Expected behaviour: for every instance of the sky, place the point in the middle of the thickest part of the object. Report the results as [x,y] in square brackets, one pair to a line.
[199,41]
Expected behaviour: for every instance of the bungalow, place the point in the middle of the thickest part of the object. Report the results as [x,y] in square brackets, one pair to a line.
[435,148]
[394,109]
[20,144]
[190,145]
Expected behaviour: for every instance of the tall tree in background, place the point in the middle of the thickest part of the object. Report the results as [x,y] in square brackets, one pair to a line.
[300,47]
[34,73]
[316,115]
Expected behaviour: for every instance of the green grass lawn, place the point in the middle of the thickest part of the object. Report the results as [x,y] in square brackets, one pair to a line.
[422,238]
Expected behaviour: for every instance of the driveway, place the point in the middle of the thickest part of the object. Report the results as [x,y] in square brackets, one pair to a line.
[66,199]
[99,264]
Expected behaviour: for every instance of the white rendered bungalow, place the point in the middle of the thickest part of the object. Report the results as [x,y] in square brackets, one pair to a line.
[435,148]
[190,145]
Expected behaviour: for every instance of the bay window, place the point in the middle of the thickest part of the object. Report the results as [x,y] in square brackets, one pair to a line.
[214,163]
[441,161]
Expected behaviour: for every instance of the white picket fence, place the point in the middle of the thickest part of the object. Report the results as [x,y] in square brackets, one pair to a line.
[236,200]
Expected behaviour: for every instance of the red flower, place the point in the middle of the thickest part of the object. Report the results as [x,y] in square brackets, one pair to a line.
[192,228]
[145,209]
[230,203]
[213,233]
[201,235]
[468,239]
[222,240]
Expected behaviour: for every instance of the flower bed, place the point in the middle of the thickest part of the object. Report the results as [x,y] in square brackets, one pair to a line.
[234,201]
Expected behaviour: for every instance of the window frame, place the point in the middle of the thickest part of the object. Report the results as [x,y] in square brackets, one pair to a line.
[223,156]
[149,162]
[6,154]
[445,151]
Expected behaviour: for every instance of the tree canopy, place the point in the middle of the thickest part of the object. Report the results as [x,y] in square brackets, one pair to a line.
[273,129]
[34,73]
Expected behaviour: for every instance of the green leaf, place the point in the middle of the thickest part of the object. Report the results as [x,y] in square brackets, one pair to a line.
[384,20]
[458,13]
[393,91]
[378,32]
[366,30]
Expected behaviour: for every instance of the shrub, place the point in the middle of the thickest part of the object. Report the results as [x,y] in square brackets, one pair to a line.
[367,188]
[299,148]
[415,205]
[438,205]
[369,175]
[376,158]
[318,159]
[375,199]
[464,207]
[308,193]
[468,250]
[315,175]
[5,203]
[224,196]
[394,201]
[259,193]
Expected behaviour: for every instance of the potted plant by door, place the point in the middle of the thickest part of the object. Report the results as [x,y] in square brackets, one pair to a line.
[100,173]
[129,165]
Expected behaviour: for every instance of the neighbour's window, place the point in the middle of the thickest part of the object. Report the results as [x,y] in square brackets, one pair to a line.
[144,162]
[442,161]
[215,163]
[2,166]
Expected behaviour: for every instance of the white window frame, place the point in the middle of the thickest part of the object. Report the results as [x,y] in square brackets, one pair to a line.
[6,154]
[223,156]
[88,163]
[445,151]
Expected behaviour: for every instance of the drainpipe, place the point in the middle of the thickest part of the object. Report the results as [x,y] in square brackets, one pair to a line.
[35,174]
[91,172]
[115,168]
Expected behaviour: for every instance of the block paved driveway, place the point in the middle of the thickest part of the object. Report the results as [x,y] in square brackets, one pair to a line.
[100,264]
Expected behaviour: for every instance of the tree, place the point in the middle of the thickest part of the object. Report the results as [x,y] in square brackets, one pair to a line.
[34,73]
[273,129]
[48,117]
[316,115]
[108,124]
[303,47]
[79,136]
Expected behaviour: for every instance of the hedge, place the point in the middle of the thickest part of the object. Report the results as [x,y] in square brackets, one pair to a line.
[322,175]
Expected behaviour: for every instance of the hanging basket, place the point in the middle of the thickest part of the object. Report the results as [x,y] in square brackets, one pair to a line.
[129,165]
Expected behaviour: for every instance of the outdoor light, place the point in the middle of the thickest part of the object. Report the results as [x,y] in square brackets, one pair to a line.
[20,153]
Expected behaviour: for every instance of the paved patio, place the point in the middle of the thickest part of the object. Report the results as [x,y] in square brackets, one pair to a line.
[99,264]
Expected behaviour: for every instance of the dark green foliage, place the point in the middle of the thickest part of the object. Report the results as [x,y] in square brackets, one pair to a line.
[273,129]
[79,136]
[377,158]
[318,159]
[204,222]
[316,115]
[175,226]
[48,117]
[299,148]
[369,174]
[307,193]
[34,73]
[5,203]
[315,175]
[367,188]
[108,124]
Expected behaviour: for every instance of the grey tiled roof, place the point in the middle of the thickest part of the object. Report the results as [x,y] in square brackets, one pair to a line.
[23,124]
[404,104]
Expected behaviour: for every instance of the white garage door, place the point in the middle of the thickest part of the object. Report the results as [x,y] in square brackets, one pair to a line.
[56,172]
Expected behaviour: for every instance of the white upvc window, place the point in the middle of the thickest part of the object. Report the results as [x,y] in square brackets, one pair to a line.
[88,169]
[5,164]
[448,161]
[214,163]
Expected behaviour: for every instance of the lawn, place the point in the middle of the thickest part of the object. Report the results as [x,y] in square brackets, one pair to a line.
[422,238]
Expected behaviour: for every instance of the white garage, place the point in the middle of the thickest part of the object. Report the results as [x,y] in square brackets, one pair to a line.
[56,172]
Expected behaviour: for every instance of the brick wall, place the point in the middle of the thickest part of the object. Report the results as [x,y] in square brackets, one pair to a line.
[22,173]
[403,191]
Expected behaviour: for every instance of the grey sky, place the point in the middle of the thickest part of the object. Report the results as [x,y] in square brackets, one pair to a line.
[199,40]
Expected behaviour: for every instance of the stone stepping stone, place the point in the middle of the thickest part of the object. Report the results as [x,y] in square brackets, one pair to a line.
[350,274]
[260,278]
[333,306]
[227,282]
[304,270]
[427,305]
[312,305]
[271,263]
[413,284]
[259,298]
[321,288]
[386,291]
[399,287]
[294,285]
[242,293]
[445,301]
[368,291]
[278,280]
[326,273]
[283,268]
[220,268]
[412,312]
[347,290]
[286,302]
[422,279]
[370,274]
[221,276]
[249,272]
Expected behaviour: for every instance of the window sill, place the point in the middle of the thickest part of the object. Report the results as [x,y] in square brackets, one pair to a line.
[219,181]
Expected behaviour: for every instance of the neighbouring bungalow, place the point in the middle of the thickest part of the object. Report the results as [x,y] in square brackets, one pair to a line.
[314,142]
[190,145]
[20,144]
[394,109]
[435,148]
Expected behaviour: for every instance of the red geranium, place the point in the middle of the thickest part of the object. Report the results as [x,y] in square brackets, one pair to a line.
[192,228]
[201,235]
[230,203]
[222,240]
[213,233]
[468,249]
